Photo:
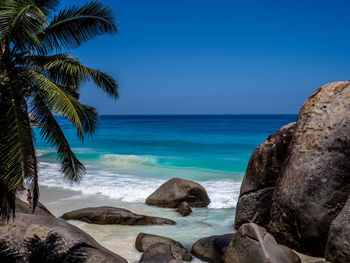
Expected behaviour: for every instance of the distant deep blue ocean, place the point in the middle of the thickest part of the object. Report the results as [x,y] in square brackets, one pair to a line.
[129,156]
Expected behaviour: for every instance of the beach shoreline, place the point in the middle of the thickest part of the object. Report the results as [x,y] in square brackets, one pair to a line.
[120,239]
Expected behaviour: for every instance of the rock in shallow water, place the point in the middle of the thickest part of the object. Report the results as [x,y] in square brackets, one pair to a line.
[175,191]
[40,237]
[184,209]
[112,215]
[160,249]
[212,249]
[252,243]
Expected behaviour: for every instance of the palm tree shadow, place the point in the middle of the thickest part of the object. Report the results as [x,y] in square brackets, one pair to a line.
[50,250]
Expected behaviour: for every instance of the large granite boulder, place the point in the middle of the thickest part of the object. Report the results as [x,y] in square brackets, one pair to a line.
[252,243]
[175,191]
[160,249]
[112,215]
[40,237]
[212,249]
[338,243]
[315,180]
[263,170]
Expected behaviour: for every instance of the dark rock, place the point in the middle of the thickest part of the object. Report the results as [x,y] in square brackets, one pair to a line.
[263,170]
[291,254]
[184,209]
[252,243]
[112,215]
[171,248]
[175,191]
[338,243]
[160,253]
[212,249]
[40,237]
[315,180]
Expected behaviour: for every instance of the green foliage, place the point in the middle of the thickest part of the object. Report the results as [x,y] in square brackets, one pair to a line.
[40,80]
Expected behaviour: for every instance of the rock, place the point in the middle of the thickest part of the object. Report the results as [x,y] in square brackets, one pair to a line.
[184,209]
[112,215]
[175,191]
[263,170]
[212,249]
[23,207]
[338,243]
[160,253]
[40,237]
[149,244]
[315,180]
[252,243]
[291,254]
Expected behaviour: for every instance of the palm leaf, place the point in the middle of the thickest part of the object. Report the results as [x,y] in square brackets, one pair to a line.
[50,130]
[17,151]
[75,25]
[58,100]
[68,71]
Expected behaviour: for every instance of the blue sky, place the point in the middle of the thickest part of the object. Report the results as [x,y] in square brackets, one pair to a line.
[219,57]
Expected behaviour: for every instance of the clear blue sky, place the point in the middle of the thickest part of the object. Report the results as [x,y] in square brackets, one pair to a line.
[232,57]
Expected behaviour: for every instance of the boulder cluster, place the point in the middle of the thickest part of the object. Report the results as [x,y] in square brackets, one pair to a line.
[297,182]
[295,196]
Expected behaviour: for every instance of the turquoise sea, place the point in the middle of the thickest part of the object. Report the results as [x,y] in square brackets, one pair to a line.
[131,156]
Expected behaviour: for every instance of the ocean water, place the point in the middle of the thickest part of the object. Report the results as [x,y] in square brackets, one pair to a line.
[131,156]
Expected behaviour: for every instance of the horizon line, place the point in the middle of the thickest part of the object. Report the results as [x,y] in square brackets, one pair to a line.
[201,114]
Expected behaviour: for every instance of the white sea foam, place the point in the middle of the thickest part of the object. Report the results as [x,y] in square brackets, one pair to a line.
[134,189]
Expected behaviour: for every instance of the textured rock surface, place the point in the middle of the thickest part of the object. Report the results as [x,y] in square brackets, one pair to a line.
[291,254]
[23,207]
[161,253]
[315,181]
[112,215]
[338,244]
[252,243]
[170,249]
[175,191]
[212,249]
[184,209]
[264,168]
[40,237]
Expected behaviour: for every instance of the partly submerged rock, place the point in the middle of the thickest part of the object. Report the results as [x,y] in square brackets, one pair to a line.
[161,253]
[169,249]
[212,249]
[175,191]
[263,170]
[315,180]
[338,243]
[252,243]
[112,215]
[40,237]
[184,209]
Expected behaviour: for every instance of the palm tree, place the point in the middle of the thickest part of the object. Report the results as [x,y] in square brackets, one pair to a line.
[40,80]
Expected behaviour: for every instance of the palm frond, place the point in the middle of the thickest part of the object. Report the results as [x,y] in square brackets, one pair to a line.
[75,25]
[25,22]
[58,100]
[17,153]
[67,70]
[50,130]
